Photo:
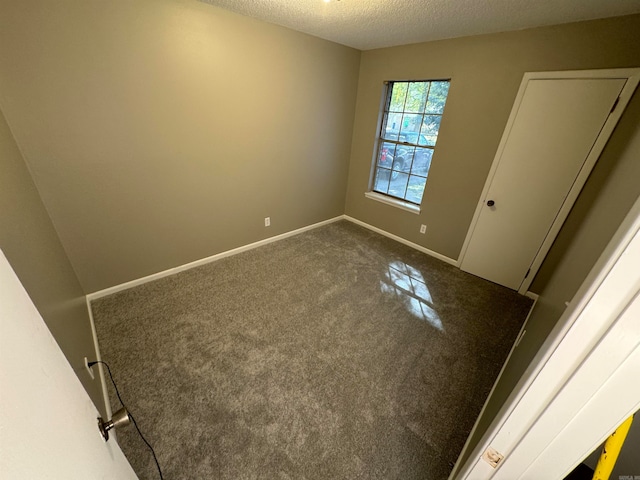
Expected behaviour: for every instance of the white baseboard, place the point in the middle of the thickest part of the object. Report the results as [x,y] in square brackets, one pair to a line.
[103,382]
[532,296]
[420,248]
[204,261]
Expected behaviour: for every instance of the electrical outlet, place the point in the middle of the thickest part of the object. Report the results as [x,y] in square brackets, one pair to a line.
[267,221]
[423,229]
[86,365]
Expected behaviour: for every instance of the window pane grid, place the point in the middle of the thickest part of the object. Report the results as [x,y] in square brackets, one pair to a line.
[412,114]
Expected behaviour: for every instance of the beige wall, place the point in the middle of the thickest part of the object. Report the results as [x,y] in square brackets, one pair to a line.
[486,72]
[33,249]
[613,187]
[160,132]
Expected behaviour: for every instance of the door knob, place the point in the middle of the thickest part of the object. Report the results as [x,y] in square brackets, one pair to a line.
[490,203]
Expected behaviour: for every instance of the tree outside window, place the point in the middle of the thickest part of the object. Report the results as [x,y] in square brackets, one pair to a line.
[411,121]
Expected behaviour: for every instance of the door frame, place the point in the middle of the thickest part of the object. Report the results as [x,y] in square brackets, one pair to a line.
[568,401]
[632,76]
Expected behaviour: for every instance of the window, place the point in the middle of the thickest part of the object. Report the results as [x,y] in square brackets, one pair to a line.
[408,133]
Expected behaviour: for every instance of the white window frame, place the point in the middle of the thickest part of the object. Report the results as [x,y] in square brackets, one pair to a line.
[383,112]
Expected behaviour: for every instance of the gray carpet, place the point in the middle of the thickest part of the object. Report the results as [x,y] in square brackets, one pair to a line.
[334,354]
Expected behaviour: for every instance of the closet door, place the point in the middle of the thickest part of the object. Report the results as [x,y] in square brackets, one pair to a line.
[551,133]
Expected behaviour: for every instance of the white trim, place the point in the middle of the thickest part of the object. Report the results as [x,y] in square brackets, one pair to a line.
[531,295]
[103,382]
[592,316]
[420,248]
[204,261]
[618,396]
[633,77]
[595,73]
[409,207]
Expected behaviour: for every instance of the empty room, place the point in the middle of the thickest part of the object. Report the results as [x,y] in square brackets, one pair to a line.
[316,239]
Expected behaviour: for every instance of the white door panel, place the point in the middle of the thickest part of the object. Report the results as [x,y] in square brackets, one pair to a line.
[556,125]
[582,383]
[48,424]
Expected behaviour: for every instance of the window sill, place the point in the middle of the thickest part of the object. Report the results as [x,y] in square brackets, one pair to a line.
[409,207]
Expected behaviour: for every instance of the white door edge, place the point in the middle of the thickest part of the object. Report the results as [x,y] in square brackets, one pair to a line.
[48,423]
[633,77]
[516,425]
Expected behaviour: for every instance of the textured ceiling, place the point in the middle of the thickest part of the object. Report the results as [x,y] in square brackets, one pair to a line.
[368,24]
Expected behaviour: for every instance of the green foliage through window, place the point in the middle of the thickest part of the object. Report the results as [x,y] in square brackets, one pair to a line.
[411,121]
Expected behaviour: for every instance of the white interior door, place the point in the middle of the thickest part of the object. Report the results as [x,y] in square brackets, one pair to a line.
[48,425]
[551,133]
